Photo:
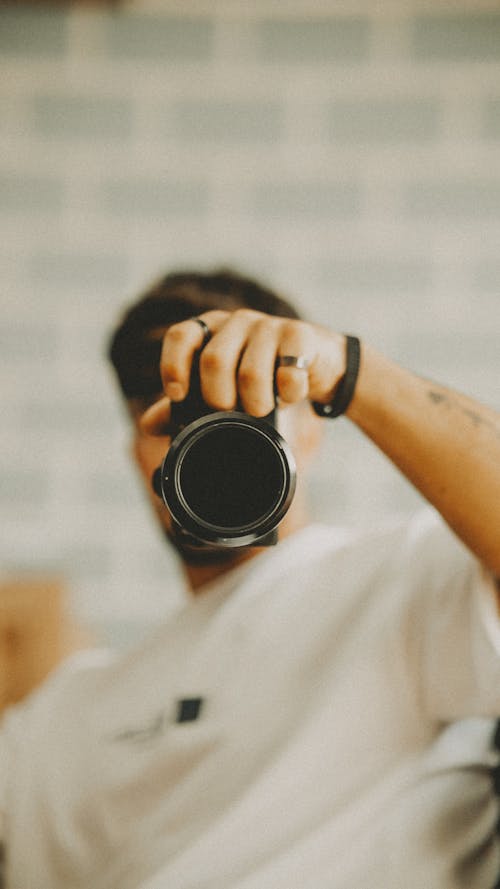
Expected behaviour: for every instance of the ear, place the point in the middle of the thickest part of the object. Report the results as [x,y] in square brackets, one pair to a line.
[134,449]
[139,449]
[304,431]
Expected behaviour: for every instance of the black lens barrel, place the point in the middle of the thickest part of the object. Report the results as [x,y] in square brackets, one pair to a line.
[227,479]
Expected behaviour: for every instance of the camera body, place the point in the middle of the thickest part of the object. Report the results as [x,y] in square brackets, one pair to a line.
[228,478]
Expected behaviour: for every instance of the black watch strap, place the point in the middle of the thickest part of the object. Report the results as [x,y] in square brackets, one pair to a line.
[345,389]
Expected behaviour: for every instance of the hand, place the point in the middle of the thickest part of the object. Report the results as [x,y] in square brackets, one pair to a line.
[238,363]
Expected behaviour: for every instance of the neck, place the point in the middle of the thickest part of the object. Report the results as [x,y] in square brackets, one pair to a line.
[200,575]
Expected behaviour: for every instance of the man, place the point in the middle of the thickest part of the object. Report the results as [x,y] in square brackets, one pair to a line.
[299,722]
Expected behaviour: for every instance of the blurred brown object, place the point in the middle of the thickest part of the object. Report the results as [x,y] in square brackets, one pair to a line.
[36,633]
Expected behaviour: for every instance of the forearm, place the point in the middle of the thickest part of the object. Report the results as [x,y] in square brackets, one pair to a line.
[446,444]
[36,633]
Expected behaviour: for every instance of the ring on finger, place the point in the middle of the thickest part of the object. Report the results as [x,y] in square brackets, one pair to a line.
[207,333]
[298,361]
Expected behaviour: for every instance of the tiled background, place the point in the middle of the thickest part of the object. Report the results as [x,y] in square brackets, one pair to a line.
[348,152]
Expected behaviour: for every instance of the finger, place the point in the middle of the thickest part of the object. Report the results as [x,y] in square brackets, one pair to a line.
[256,370]
[220,358]
[180,343]
[156,418]
[296,340]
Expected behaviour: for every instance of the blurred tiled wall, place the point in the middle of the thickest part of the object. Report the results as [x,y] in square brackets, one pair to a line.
[348,152]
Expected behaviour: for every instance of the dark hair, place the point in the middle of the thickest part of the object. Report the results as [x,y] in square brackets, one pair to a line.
[135,346]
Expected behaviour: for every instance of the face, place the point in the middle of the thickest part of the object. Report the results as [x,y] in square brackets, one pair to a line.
[297,423]
[149,452]
[300,427]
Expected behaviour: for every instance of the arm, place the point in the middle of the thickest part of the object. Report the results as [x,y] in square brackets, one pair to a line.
[447,445]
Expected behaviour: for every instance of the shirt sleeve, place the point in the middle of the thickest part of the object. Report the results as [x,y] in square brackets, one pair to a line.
[454,622]
[26,720]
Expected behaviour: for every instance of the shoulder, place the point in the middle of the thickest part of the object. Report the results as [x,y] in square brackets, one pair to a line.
[408,556]
[419,543]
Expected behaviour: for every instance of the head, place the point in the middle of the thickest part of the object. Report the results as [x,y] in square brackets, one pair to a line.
[136,344]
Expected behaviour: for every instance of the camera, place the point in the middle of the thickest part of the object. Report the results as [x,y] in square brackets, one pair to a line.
[228,478]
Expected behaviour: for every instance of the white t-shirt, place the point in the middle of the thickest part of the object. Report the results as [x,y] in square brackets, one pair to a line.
[332,671]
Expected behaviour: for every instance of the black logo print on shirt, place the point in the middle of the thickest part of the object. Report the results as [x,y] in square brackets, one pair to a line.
[188,710]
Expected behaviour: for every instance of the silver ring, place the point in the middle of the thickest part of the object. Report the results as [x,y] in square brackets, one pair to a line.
[298,361]
[207,333]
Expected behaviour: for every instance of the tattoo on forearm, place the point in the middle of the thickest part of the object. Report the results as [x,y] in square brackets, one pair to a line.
[437,397]
[476,418]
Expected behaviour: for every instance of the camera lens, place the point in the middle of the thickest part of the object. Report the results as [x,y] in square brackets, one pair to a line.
[228,478]
[231,476]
